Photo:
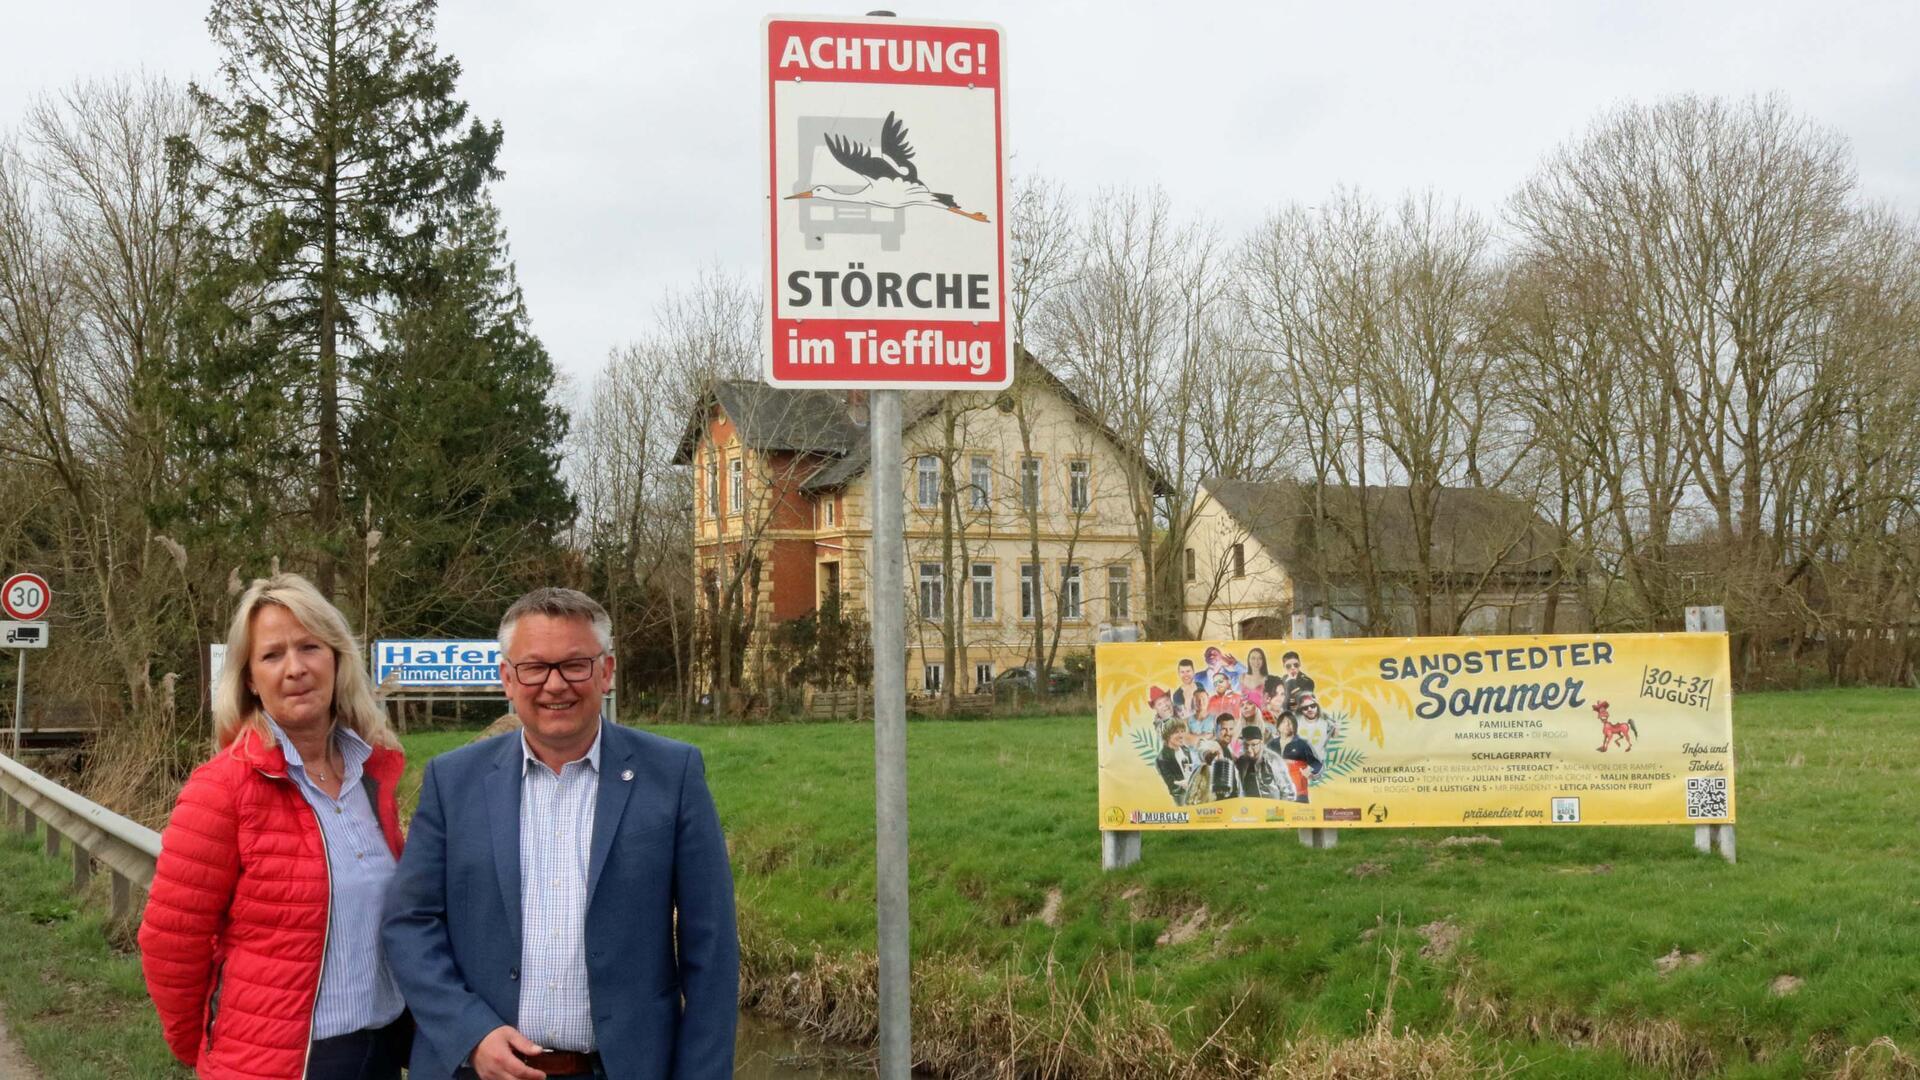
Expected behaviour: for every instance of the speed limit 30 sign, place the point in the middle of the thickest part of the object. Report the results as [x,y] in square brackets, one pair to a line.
[25,597]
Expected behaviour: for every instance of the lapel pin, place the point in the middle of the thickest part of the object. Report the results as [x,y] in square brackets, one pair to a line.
[626,774]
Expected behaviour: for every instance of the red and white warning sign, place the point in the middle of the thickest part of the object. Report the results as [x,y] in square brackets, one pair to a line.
[25,596]
[886,220]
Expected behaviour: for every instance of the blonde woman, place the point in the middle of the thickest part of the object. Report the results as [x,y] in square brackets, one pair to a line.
[261,939]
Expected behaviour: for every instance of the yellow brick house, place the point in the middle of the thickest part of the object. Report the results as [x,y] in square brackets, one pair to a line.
[1018,513]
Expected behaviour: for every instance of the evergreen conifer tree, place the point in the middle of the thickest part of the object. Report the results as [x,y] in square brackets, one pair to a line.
[455,442]
[358,381]
[338,155]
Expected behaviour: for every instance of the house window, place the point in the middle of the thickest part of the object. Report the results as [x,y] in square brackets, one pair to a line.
[1070,591]
[827,505]
[983,590]
[929,472]
[932,598]
[982,675]
[1029,586]
[830,579]
[933,677]
[1239,560]
[1119,592]
[982,482]
[1080,486]
[1030,483]
[735,470]
[713,487]
[1190,565]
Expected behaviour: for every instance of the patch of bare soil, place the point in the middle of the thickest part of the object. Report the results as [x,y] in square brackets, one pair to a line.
[1050,911]
[1443,937]
[13,1062]
[1676,960]
[1185,929]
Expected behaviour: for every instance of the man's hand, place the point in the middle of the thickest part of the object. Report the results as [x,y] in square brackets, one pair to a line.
[494,1058]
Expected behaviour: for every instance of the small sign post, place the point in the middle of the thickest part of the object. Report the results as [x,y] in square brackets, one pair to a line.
[887,270]
[1711,619]
[24,597]
[1311,626]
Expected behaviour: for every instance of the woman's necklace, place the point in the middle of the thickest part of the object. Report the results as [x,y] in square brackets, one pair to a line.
[326,759]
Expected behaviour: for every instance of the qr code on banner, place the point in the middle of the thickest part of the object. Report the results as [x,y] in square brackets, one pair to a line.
[1706,796]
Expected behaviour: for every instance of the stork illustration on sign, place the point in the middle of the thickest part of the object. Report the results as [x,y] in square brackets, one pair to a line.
[892,179]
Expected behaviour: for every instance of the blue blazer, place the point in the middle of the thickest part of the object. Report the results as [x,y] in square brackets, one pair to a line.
[665,995]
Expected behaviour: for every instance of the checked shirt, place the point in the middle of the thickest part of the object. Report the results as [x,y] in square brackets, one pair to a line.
[556,836]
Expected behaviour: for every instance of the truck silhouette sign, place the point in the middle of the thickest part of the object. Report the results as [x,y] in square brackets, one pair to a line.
[29,635]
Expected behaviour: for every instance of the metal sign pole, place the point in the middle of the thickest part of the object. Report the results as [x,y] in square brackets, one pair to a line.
[821,108]
[888,575]
[19,701]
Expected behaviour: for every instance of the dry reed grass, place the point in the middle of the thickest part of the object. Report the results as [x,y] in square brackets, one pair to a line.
[1384,1054]
[133,765]
[1661,1045]
[980,1022]
[973,1022]
[1881,1059]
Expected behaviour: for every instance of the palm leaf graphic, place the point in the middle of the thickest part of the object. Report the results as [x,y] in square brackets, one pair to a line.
[1143,742]
[1129,705]
[1340,759]
[1351,693]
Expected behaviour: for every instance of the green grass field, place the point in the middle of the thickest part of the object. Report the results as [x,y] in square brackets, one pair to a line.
[75,1002]
[1542,950]
[1595,952]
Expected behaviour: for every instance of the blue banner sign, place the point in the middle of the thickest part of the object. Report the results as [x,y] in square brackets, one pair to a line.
[447,665]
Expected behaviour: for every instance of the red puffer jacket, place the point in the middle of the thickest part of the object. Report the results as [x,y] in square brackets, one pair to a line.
[236,923]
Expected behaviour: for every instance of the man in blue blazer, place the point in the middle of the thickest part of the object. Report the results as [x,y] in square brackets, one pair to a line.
[564,905]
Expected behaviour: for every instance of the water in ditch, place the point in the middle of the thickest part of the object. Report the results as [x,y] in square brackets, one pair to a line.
[764,1050]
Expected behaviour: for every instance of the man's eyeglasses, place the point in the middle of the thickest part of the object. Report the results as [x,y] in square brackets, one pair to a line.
[534,672]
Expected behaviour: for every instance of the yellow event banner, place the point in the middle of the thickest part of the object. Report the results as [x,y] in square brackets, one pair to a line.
[1612,729]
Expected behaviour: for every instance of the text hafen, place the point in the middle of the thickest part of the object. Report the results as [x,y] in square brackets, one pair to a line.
[408,653]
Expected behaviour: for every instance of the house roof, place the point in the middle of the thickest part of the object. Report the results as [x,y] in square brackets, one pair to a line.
[915,407]
[820,422]
[774,419]
[1474,529]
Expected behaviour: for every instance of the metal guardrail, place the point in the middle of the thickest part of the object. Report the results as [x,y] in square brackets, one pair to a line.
[126,848]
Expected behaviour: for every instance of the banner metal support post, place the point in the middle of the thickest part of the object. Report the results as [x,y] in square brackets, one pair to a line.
[888,577]
[1710,838]
[1120,849]
[1317,627]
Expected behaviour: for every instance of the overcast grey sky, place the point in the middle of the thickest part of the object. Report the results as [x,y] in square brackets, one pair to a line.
[633,130]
